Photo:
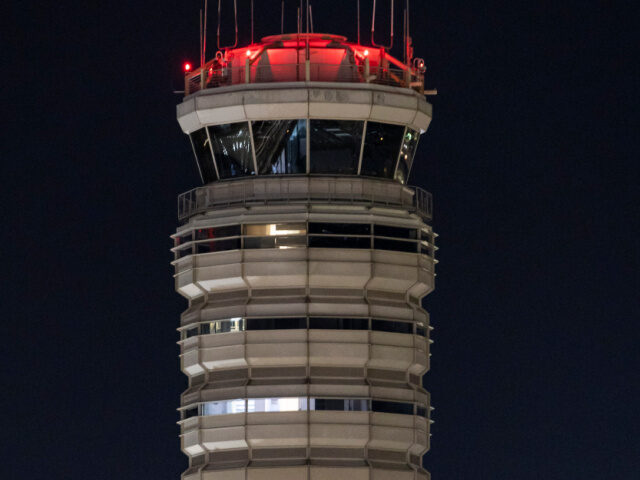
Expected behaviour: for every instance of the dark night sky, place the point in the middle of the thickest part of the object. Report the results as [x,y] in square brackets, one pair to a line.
[533,165]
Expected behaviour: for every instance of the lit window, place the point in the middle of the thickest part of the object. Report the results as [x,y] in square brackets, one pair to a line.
[272,229]
[223,407]
[270,405]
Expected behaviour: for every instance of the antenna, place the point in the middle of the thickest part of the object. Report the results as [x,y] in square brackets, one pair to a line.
[204,36]
[235,18]
[282,18]
[201,62]
[306,46]
[358,21]
[373,28]
[404,36]
[251,22]
[311,17]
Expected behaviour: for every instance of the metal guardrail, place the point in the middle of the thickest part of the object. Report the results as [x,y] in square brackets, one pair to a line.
[209,77]
[289,190]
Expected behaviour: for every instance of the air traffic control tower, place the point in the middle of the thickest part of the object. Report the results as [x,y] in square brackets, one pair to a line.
[304,258]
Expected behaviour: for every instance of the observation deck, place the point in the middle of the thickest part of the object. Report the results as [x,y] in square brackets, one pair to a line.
[304,104]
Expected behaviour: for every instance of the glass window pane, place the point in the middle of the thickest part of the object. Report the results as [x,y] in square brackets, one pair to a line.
[202,149]
[407,151]
[286,404]
[190,412]
[281,146]
[398,232]
[335,146]
[232,149]
[327,404]
[260,242]
[396,245]
[340,228]
[390,326]
[192,332]
[275,229]
[340,242]
[381,147]
[339,323]
[276,323]
[183,239]
[223,407]
[392,407]
[217,232]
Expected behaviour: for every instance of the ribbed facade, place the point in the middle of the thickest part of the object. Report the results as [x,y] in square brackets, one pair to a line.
[304,342]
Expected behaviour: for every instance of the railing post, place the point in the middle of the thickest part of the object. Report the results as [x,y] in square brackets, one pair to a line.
[307,70]
[407,77]
[247,71]
[186,85]
[367,69]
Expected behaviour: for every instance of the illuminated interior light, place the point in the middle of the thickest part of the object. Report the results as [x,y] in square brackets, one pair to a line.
[273,230]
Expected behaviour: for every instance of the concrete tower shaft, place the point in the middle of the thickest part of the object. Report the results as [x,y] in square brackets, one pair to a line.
[304,259]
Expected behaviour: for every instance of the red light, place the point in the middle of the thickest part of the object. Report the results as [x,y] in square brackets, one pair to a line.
[187,67]
[248,53]
[366,53]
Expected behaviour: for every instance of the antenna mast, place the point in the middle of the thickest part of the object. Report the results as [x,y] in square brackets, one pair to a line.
[235,17]
[373,28]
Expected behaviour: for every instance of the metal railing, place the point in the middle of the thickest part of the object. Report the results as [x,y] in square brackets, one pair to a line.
[289,190]
[210,77]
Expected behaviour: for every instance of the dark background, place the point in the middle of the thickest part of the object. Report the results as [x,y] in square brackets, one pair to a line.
[531,158]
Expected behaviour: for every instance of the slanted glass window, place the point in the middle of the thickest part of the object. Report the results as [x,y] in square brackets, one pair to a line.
[335,146]
[202,149]
[407,151]
[276,323]
[421,330]
[281,146]
[421,411]
[381,146]
[392,407]
[340,228]
[339,323]
[232,149]
[390,326]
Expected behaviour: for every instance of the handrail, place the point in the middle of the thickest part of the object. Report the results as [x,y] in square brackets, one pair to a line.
[210,76]
[300,189]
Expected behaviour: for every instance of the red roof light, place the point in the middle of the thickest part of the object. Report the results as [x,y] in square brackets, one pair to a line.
[187,67]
